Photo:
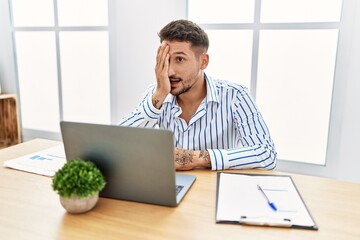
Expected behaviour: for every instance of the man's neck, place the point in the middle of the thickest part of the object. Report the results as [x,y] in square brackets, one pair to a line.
[191,100]
[195,94]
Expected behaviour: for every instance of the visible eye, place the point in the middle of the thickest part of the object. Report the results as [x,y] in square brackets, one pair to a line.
[180,59]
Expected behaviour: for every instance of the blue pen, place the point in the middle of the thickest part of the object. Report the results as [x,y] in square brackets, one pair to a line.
[271,204]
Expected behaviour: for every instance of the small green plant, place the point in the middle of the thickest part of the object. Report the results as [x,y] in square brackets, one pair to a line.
[78,178]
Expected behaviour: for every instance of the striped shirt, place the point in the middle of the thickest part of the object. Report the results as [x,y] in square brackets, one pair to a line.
[227,123]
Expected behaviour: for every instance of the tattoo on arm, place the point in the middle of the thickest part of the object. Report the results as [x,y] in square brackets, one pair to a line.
[183,157]
[156,102]
[204,154]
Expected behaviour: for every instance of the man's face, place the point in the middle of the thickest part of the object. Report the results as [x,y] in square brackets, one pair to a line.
[185,67]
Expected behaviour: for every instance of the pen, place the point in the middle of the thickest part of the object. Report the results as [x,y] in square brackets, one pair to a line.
[271,204]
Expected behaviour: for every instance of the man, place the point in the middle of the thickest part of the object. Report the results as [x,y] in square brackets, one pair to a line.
[216,124]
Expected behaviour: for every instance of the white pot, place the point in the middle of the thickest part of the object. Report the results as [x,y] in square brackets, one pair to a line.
[79,205]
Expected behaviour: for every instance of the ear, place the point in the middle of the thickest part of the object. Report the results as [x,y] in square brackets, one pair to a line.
[204,60]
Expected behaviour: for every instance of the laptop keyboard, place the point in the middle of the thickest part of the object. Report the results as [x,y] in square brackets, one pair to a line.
[178,188]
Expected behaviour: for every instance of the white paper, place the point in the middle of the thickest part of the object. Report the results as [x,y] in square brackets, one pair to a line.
[45,162]
[239,196]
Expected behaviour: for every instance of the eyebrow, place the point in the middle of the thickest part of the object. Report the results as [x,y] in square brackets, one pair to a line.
[179,53]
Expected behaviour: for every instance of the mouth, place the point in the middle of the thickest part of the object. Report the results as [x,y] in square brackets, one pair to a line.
[174,82]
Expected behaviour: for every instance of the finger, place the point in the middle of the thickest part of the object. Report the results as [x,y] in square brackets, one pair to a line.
[160,51]
[166,63]
[158,55]
[163,58]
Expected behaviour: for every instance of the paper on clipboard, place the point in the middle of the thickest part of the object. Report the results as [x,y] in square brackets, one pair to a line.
[240,201]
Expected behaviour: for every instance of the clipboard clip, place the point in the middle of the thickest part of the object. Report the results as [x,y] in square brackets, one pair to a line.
[265,221]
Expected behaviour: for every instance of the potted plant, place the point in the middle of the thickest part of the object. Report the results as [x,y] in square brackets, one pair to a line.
[78,184]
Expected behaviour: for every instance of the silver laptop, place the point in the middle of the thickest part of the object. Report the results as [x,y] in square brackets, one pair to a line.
[137,163]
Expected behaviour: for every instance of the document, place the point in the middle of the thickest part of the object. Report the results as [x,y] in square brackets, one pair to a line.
[45,162]
[269,200]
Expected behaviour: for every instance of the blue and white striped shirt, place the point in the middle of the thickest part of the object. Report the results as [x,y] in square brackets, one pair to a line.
[227,123]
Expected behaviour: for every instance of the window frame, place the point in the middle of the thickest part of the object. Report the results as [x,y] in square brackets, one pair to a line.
[35,133]
[329,169]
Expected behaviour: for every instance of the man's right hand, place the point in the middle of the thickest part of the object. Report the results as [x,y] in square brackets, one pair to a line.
[163,86]
[190,159]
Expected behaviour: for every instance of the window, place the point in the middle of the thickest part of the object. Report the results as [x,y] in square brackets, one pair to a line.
[62,53]
[284,51]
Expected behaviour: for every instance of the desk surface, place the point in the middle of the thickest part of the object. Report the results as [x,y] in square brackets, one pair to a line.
[29,209]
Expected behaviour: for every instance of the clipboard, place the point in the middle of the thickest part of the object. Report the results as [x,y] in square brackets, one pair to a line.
[246,199]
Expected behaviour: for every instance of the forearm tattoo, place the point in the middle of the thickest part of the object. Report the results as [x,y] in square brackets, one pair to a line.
[183,157]
[204,154]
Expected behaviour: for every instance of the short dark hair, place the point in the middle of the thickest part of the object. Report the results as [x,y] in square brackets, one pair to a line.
[185,31]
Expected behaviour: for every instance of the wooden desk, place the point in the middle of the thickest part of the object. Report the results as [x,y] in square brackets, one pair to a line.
[29,209]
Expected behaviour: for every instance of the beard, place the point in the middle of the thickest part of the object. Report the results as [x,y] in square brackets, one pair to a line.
[184,88]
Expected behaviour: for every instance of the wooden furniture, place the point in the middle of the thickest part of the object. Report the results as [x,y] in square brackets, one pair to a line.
[9,121]
[29,209]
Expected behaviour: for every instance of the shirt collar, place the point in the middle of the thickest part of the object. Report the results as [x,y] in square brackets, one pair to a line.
[211,92]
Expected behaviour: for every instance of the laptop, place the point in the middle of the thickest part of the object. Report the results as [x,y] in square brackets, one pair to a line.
[137,163]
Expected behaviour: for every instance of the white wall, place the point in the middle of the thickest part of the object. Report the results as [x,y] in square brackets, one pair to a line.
[349,164]
[136,43]
[7,68]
